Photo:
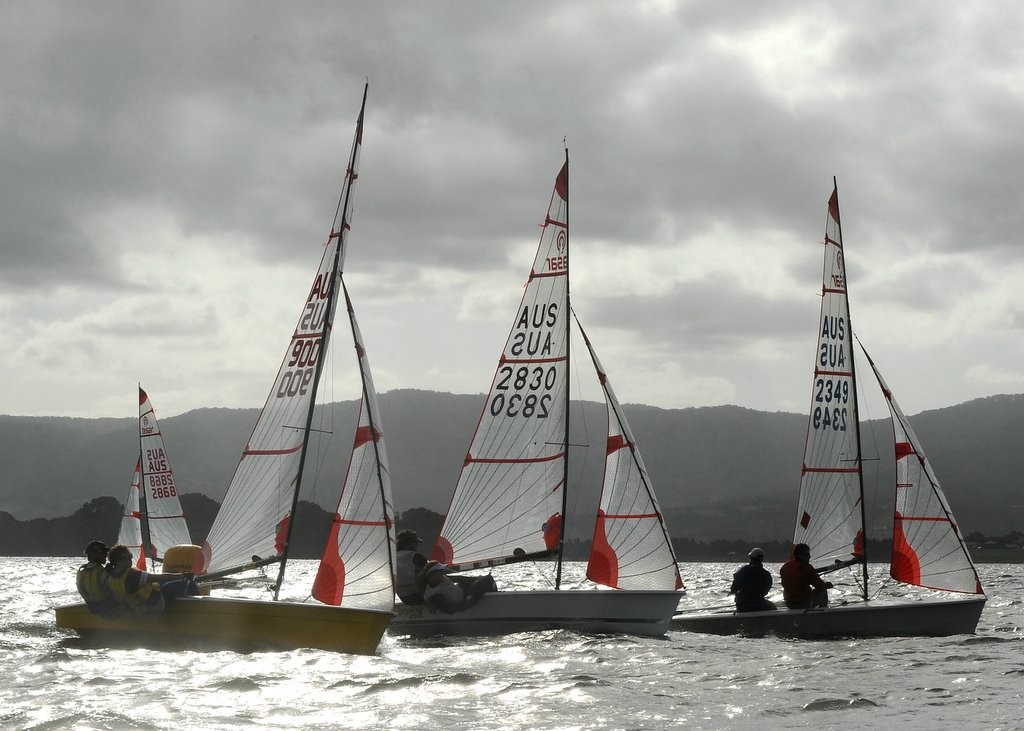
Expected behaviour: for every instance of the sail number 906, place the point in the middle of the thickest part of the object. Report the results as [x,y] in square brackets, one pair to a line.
[523,378]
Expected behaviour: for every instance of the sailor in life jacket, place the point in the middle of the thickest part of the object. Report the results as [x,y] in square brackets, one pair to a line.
[142,592]
[450,596]
[93,583]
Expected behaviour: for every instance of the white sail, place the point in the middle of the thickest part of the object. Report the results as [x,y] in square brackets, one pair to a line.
[357,566]
[130,533]
[927,548]
[508,499]
[829,518]
[253,520]
[631,547]
[159,492]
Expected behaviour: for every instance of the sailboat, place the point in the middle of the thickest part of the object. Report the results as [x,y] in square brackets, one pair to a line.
[928,549]
[510,500]
[153,520]
[254,528]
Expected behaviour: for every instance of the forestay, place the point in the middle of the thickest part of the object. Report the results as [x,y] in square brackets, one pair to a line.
[357,567]
[829,517]
[631,547]
[927,548]
[511,483]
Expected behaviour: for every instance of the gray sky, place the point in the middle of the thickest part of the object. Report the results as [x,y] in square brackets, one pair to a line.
[169,172]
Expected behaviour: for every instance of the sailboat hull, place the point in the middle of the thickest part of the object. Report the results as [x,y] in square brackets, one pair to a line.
[503,612]
[930,618]
[237,624]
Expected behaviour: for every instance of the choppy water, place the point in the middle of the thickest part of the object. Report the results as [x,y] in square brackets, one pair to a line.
[559,680]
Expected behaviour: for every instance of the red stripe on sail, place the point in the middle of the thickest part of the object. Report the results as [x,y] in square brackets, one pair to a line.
[616,442]
[506,360]
[329,585]
[270,452]
[349,521]
[365,434]
[443,551]
[832,470]
[833,205]
[906,566]
[805,520]
[603,566]
[562,182]
[538,275]
[903,449]
[628,516]
[496,460]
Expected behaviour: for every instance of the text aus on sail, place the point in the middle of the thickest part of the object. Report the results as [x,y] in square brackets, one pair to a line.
[832,387]
[300,368]
[529,372]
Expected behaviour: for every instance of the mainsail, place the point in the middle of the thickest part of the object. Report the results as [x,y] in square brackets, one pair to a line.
[509,498]
[927,548]
[357,567]
[631,547]
[253,523]
[830,510]
[153,520]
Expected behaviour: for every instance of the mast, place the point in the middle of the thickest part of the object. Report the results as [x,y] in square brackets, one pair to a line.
[147,542]
[568,361]
[332,295]
[856,401]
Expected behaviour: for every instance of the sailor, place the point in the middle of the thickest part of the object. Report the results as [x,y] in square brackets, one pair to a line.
[751,584]
[142,592]
[802,588]
[446,595]
[408,567]
[93,583]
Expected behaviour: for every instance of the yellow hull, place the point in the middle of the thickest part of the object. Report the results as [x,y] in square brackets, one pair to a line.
[237,624]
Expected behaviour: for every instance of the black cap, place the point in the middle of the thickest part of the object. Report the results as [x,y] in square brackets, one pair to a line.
[407,536]
[96,547]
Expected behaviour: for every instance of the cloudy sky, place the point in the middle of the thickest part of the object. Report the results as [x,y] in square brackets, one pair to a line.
[169,173]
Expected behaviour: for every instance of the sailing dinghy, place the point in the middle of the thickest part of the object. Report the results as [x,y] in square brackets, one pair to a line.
[928,549]
[511,494]
[254,527]
[153,521]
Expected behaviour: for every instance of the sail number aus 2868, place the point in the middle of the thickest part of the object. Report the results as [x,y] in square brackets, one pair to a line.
[523,378]
[161,486]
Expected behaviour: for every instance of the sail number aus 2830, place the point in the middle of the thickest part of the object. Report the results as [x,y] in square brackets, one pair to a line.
[528,405]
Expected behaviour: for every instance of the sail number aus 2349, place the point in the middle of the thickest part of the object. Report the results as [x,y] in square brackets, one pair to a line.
[828,391]
[528,405]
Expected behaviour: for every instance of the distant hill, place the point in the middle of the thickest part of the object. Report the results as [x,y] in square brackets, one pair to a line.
[720,472]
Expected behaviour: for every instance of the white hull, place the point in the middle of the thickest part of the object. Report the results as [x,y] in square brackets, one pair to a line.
[505,612]
[930,618]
